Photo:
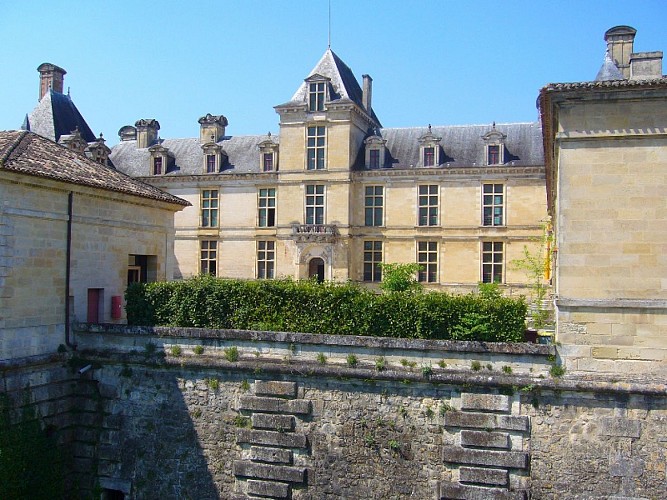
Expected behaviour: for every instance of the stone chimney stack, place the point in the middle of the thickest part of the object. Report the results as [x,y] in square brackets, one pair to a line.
[646,65]
[50,77]
[212,128]
[146,132]
[367,92]
[620,42]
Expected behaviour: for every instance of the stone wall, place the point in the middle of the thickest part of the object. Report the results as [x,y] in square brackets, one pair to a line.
[192,413]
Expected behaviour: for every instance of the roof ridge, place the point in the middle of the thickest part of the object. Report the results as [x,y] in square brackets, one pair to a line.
[12,146]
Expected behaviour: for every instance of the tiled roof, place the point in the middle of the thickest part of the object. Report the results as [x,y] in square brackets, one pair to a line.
[31,154]
[608,84]
[57,115]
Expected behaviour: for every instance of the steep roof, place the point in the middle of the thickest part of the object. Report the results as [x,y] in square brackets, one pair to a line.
[31,154]
[57,115]
[609,70]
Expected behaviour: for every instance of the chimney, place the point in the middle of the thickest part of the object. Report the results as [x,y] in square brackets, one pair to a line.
[646,65]
[367,92]
[50,77]
[212,128]
[620,41]
[146,132]
[127,133]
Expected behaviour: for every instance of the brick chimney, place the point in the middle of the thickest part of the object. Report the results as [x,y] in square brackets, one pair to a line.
[620,42]
[50,77]
[367,92]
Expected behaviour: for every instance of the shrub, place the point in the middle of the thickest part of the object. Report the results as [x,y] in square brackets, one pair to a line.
[399,278]
[352,360]
[231,353]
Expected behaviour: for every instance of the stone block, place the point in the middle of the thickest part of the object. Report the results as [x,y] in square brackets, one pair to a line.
[269,489]
[485,439]
[485,402]
[492,458]
[271,421]
[622,466]
[273,388]
[620,427]
[271,438]
[271,472]
[275,405]
[479,475]
[605,352]
[447,491]
[270,455]
[486,421]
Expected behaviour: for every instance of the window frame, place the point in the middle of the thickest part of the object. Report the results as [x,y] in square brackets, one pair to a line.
[211,166]
[373,211]
[211,247]
[266,259]
[209,215]
[158,169]
[490,205]
[317,94]
[316,147]
[373,255]
[428,256]
[312,207]
[426,209]
[266,207]
[489,266]
[428,156]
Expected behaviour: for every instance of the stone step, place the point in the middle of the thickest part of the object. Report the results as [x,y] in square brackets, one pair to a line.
[479,475]
[511,459]
[485,402]
[485,439]
[271,455]
[447,491]
[486,421]
[271,472]
[282,423]
[275,405]
[268,489]
[276,389]
[271,438]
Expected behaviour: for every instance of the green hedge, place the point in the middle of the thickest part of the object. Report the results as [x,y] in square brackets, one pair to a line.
[328,308]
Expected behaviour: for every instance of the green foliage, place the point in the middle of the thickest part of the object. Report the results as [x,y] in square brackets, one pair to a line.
[427,371]
[476,366]
[321,358]
[198,350]
[31,463]
[231,353]
[507,369]
[245,385]
[175,350]
[394,445]
[352,360]
[213,384]
[557,371]
[380,363]
[407,363]
[241,421]
[442,363]
[326,308]
[399,278]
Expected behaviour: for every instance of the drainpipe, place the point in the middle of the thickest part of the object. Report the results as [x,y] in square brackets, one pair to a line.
[68,266]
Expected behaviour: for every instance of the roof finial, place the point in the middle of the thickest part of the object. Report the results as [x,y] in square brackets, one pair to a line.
[269,134]
[494,125]
[329,40]
[429,128]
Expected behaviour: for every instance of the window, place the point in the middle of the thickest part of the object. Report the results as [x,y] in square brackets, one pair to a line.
[267,162]
[429,156]
[372,261]
[316,96]
[374,158]
[267,207]
[428,205]
[315,148]
[210,164]
[209,208]
[266,259]
[427,258]
[208,257]
[373,205]
[492,204]
[492,262]
[493,154]
[314,204]
[157,165]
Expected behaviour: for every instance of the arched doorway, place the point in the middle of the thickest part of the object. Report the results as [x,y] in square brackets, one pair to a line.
[316,269]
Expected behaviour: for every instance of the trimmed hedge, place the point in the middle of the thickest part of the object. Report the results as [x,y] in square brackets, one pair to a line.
[327,308]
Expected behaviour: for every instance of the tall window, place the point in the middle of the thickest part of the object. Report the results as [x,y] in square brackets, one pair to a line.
[372,260]
[492,262]
[208,257]
[209,208]
[266,259]
[314,204]
[316,97]
[428,205]
[267,207]
[267,162]
[493,154]
[493,204]
[157,165]
[210,164]
[373,205]
[374,158]
[427,258]
[429,156]
[315,149]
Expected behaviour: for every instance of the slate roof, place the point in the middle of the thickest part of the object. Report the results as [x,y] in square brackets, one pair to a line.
[461,146]
[609,70]
[31,154]
[57,115]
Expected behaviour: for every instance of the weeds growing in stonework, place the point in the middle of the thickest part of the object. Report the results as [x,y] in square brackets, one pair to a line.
[321,358]
[241,421]
[175,350]
[557,371]
[352,360]
[213,384]
[507,369]
[444,408]
[380,363]
[442,363]
[408,364]
[394,445]
[198,350]
[427,371]
[476,366]
[231,353]
[245,385]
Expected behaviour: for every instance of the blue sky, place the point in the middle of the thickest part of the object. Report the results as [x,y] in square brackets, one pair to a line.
[438,61]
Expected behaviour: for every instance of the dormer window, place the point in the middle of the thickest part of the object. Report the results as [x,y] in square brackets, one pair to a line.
[375,151]
[98,151]
[160,159]
[494,145]
[268,155]
[316,94]
[429,149]
[214,157]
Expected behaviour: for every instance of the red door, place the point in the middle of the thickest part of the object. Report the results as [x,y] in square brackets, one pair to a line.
[93,305]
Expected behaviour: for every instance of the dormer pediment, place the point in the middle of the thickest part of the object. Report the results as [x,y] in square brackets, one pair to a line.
[316,77]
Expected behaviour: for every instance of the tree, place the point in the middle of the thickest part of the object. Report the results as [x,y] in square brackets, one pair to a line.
[397,277]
